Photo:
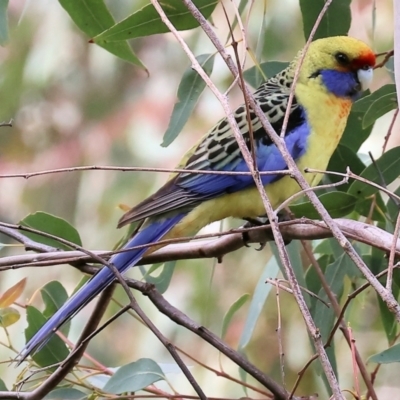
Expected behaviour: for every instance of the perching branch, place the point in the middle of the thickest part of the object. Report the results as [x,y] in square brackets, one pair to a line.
[222,244]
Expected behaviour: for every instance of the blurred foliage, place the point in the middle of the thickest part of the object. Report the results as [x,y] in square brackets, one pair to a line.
[74,103]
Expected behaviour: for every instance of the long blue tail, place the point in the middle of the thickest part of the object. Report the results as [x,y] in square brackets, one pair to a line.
[122,261]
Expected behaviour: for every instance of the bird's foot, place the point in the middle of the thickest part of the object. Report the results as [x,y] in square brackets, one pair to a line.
[263,221]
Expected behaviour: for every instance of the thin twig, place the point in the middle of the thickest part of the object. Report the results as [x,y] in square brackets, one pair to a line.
[387,54]
[279,335]
[27,175]
[390,130]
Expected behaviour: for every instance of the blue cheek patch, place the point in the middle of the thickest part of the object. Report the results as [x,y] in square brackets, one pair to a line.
[341,84]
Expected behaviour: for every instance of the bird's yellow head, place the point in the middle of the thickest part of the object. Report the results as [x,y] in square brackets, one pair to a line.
[341,64]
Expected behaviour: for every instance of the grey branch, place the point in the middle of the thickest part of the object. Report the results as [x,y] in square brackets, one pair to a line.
[209,248]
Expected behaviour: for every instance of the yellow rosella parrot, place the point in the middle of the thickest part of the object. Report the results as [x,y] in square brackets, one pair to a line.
[334,73]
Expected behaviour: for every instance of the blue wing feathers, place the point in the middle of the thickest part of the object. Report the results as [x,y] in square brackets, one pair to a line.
[122,261]
[180,194]
[268,158]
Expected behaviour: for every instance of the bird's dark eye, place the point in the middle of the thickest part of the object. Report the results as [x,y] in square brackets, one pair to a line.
[342,59]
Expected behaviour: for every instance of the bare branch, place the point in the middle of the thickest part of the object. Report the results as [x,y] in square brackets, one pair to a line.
[216,248]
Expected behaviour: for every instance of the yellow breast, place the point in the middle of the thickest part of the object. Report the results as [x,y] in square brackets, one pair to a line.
[327,117]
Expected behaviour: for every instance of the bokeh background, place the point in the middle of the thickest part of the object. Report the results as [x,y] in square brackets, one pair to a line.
[74,104]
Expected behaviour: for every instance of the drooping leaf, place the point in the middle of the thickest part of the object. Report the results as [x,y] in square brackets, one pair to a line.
[335,22]
[146,21]
[313,281]
[8,316]
[388,319]
[12,294]
[390,355]
[236,306]
[54,296]
[387,167]
[189,91]
[372,207]
[3,387]
[324,317]
[293,249]
[354,134]
[376,104]
[162,281]
[342,158]
[54,351]
[379,107]
[66,394]
[53,225]
[393,208]
[338,204]
[134,376]
[378,260]
[257,302]
[3,22]
[93,17]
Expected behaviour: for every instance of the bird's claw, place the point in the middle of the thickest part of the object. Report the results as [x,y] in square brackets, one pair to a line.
[261,221]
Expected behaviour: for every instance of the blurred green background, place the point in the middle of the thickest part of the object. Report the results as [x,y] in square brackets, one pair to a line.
[74,104]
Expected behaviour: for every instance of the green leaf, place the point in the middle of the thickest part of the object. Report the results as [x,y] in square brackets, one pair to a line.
[313,282]
[362,105]
[8,316]
[66,394]
[388,319]
[380,107]
[376,104]
[374,203]
[325,317]
[293,249]
[387,356]
[54,351]
[3,22]
[236,306]
[54,296]
[260,295]
[53,225]
[93,17]
[335,22]
[392,209]
[134,376]
[256,75]
[189,91]
[342,158]
[162,281]
[146,21]
[378,261]
[3,387]
[389,169]
[354,134]
[338,204]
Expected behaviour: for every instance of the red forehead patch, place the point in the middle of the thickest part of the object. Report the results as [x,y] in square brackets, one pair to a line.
[366,58]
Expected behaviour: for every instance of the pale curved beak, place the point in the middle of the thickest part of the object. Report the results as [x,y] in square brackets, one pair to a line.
[365,77]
